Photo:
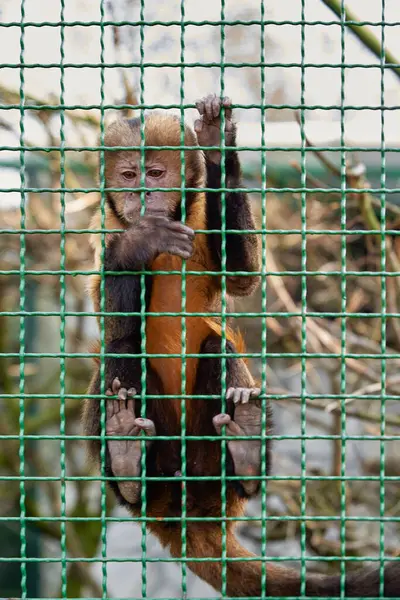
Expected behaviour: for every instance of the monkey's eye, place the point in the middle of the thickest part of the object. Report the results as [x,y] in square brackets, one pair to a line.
[155,173]
[129,174]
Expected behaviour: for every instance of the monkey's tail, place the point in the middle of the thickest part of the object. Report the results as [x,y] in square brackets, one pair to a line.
[244,573]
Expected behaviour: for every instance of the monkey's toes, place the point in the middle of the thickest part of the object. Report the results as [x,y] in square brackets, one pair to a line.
[117,390]
[231,427]
[220,420]
[146,425]
[124,400]
[241,395]
[116,386]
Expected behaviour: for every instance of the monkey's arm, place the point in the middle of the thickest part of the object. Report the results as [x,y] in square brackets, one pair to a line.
[242,250]
[134,250]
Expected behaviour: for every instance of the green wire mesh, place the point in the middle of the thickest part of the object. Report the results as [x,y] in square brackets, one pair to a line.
[39,499]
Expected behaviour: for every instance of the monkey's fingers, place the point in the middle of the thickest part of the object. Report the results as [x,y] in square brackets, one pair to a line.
[179,245]
[229,126]
[205,107]
[181,252]
[198,126]
[181,228]
[211,107]
[176,236]
[227,104]
[216,107]
[200,106]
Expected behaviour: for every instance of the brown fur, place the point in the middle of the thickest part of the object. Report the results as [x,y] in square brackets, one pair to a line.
[163,336]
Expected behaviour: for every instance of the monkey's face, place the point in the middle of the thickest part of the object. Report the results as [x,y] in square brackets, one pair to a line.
[159,172]
[161,169]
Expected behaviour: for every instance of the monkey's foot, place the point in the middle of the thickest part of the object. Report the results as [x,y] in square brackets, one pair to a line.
[125,455]
[246,454]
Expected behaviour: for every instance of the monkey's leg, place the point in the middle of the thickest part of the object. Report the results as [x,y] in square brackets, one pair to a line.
[243,405]
[125,455]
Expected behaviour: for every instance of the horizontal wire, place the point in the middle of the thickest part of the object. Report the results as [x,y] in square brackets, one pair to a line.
[258,148]
[185,23]
[124,106]
[275,396]
[57,272]
[208,478]
[244,519]
[192,559]
[205,65]
[380,355]
[201,438]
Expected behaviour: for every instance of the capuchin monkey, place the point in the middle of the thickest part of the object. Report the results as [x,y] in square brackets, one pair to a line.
[158,242]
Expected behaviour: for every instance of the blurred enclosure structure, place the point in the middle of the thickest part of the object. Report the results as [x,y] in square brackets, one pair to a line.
[315,85]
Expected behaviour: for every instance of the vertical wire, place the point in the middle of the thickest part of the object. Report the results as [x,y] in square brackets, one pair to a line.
[63,524]
[343,290]
[264,310]
[183,319]
[383,310]
[223,311]
[102,318]
[22,256]
[143,359]
[303,491]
